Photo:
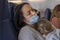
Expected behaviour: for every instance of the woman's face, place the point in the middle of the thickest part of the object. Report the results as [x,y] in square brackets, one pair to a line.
[56,19]
[56,22]
[28,12]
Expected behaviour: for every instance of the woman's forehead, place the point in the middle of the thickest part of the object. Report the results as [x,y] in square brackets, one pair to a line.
[26,7]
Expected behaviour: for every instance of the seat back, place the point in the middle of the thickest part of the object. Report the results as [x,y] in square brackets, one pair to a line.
[47,13]
[8,29]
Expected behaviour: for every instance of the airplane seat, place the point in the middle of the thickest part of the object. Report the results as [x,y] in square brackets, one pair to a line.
[11,9]
[47,14]
[8,31]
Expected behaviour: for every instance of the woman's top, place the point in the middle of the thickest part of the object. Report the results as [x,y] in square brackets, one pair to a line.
[29,33]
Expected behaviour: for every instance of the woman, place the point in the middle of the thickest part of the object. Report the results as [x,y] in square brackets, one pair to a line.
[28,16]
[55,20]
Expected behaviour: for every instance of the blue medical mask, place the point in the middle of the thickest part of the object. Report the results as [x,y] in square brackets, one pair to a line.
[33,19]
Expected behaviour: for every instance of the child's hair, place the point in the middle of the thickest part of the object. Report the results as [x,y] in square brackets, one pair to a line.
[44,26]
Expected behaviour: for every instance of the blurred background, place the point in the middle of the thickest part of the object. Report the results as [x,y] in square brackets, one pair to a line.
[40,5]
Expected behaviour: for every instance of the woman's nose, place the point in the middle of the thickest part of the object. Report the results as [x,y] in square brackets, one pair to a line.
[33,13]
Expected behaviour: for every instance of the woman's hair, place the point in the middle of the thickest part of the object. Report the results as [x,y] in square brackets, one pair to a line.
[55,10]
[18,16]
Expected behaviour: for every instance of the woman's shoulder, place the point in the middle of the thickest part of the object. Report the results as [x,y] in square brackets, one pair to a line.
[25,33]
[25,29]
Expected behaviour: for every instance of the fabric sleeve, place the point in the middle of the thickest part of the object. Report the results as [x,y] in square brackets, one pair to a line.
[49,36]
[25,34]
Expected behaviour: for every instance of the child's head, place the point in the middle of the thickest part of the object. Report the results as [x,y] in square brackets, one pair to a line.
[44,26]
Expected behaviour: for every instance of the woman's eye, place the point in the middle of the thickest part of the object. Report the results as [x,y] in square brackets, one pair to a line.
[28,13]
[32,9]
